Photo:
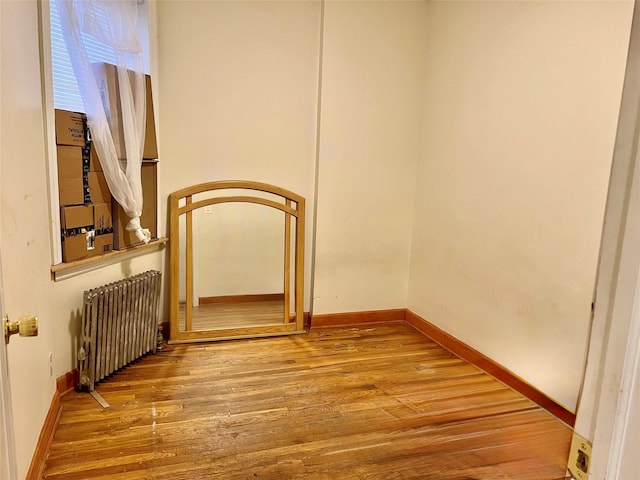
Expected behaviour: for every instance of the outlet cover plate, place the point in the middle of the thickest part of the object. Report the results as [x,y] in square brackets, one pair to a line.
[579,457]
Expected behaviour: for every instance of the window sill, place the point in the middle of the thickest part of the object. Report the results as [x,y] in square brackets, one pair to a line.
[63,271]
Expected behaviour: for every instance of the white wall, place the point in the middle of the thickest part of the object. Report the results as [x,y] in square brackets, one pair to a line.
[371,112]
[234,242]
[238,88]
[25,237]
[504,114]
[522,104]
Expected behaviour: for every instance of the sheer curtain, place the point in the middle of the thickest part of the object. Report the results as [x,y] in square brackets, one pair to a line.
[112,22]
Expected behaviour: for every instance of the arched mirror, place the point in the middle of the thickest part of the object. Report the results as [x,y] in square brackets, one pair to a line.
[237,261]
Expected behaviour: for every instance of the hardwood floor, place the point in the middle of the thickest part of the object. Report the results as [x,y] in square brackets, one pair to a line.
[375,402]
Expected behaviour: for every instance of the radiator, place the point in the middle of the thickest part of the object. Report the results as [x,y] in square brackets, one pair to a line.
[119,325]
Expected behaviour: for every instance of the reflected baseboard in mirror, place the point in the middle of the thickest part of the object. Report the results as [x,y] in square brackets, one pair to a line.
[254,297]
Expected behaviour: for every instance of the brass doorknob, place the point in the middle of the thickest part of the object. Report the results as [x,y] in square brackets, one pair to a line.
[25,326]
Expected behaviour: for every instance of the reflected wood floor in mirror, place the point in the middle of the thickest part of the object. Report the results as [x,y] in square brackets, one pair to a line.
[215,316]
[375,402]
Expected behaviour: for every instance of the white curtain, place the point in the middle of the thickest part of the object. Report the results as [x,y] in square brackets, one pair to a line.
[112,22]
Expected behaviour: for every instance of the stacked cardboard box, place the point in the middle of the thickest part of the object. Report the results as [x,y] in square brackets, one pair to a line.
[100,197]
[92,222]
[85,201]
[107,78]
[108,85]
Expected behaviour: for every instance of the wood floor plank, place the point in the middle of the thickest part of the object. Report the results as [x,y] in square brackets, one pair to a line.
[375,402]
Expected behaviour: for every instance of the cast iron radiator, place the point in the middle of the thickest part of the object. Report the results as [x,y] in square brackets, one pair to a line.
[119,325]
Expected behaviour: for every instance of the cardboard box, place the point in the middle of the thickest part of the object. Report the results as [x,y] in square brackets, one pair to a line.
[73,188]
[98,188]
[102,244]
[123,238]
[108,85]
[71,128]
[150,142]
[76,216]
[87,231]
[74,247]
[77,232]
[102,218]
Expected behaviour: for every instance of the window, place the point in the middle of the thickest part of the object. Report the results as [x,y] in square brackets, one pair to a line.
[65,88]
[61,92]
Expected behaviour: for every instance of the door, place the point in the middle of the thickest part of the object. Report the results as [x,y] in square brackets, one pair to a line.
[7,448]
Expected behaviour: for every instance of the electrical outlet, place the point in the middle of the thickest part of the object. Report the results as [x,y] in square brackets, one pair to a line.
[50,364]
[579,457]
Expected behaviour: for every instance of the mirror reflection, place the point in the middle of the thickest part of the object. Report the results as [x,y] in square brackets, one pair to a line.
[238,266]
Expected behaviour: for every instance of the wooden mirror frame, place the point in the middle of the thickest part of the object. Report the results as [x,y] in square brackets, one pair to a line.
[291,204]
